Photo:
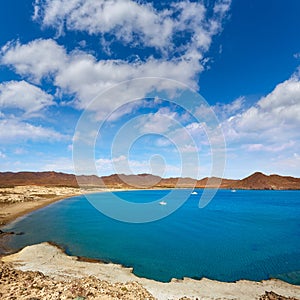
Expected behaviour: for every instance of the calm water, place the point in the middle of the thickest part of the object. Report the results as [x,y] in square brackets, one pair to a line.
[244,235]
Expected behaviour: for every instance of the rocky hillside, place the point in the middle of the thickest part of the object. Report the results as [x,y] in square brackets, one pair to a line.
[37,178]
[258,181]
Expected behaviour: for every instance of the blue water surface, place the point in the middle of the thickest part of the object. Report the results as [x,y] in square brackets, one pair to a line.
[251,235]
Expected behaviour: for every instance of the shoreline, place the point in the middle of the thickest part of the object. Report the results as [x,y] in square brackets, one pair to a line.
[14,211]
[37,258]
[53,262]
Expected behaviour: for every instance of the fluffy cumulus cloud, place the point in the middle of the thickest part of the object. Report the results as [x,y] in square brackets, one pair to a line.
[20,102]
[272,124]
[136,22]
[24,96]
[180,34]
[15,130]
[173,38]
[160,122]
[283,103]
[82,75]
[37,59]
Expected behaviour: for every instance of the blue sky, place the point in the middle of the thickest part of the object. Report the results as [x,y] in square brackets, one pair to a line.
[243,57]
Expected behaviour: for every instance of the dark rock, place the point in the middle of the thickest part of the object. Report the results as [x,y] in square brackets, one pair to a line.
[274,296]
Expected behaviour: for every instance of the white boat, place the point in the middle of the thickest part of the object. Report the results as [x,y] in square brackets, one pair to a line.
[162,203]
[233,191]
[194,193]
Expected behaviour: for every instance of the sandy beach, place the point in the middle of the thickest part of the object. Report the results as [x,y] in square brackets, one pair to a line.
[21,200]
[59,273]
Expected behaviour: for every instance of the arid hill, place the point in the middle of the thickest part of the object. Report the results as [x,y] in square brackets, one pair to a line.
[257,181]
[37,178]
[260,181]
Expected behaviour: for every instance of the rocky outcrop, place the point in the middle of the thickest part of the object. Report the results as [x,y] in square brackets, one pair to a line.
[17,284]
[274,296]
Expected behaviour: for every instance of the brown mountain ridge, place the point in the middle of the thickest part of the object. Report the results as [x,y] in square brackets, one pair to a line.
[256,181]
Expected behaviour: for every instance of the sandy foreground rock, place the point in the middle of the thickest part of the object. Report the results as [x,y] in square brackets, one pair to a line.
[34,285]
[63,274]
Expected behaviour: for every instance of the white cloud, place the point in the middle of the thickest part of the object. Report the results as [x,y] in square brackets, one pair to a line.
[36,10]
[80,74]
[284,100]
[86,77]
[280,108]
[228,110]
[135,22]
[24,96]
[13,130]
[21,101]
[37,59]
[222,7]
[159,122]
[273,120]
[266,135]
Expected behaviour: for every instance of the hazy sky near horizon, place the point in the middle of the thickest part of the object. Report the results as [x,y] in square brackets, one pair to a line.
[243,57]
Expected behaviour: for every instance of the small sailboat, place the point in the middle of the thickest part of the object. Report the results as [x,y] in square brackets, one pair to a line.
[162,203]
[194,193]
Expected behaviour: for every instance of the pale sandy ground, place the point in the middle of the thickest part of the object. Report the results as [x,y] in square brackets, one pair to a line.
[53,262]
[20,200]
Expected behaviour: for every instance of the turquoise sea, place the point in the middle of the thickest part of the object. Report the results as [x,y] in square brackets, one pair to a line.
[243,235]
